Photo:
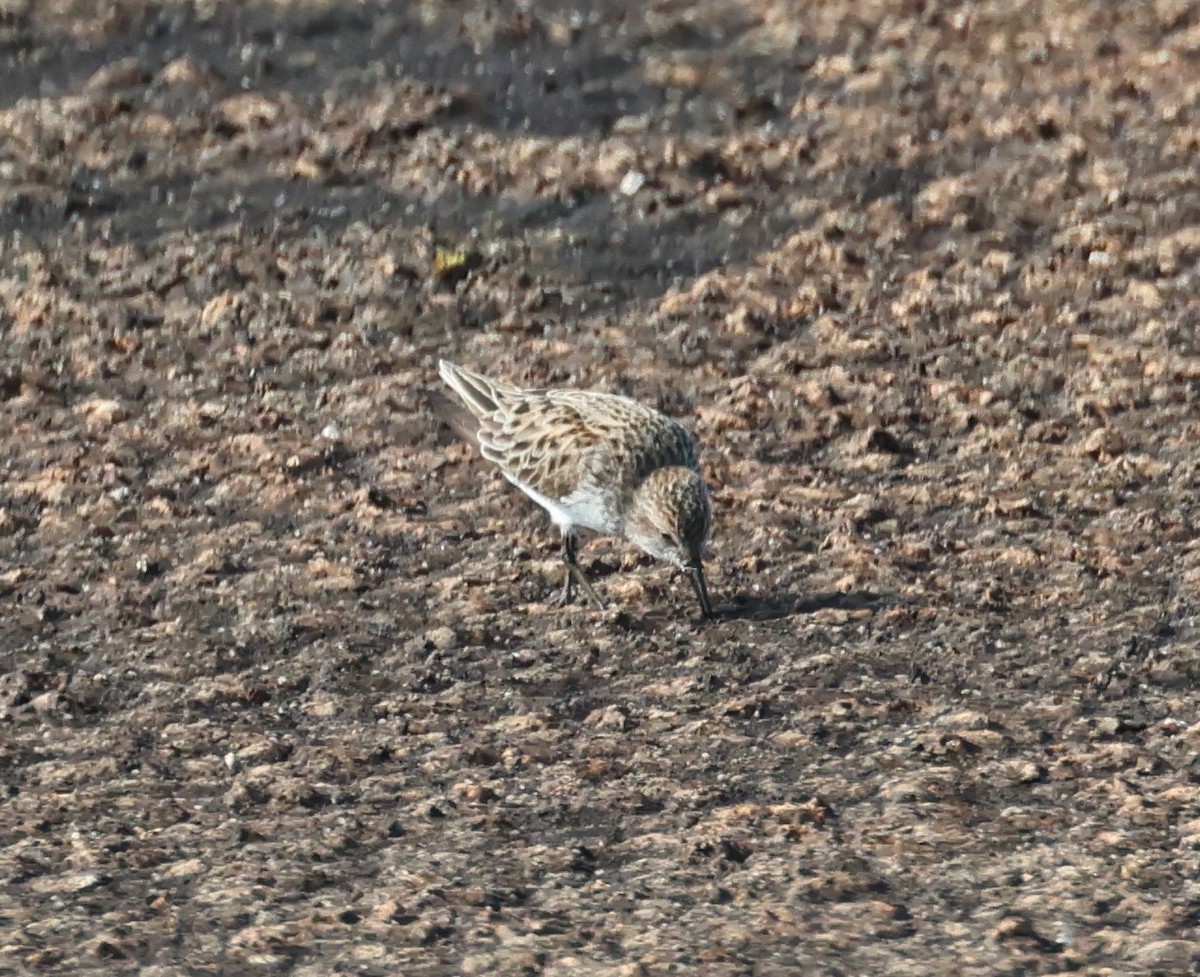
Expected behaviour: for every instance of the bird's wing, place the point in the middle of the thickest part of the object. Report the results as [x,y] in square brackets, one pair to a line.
[541,443]
[556,441]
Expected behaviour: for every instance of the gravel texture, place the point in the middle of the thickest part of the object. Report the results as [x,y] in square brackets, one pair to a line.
[279,689]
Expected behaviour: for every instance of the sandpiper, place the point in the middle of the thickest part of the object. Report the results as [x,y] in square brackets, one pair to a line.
[593,461]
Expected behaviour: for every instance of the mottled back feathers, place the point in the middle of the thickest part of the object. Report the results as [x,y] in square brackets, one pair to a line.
[559,441]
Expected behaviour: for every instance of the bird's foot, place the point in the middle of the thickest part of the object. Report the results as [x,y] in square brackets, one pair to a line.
[567,595]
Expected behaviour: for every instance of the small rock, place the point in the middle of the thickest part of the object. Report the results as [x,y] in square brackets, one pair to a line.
[1019,928]
[101,412]
[118,76]
[478,963]
[189,868]
[323,706]
[187,71]
[474,793]
[611,717]
[249,111]
[392,911]
[632,182]
[724,196]
[1145,293]
[443,638]
[45,703]
[221,309]
[599,770]
[75,882]
[631,125]
[106,949]
[998,260]
[313,167]
[1175,955]
[1103,443]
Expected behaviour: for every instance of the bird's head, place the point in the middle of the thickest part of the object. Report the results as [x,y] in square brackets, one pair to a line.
[670,519]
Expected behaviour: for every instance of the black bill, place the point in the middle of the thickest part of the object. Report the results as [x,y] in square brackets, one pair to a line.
[696,575]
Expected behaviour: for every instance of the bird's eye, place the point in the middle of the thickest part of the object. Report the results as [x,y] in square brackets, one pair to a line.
[667,538]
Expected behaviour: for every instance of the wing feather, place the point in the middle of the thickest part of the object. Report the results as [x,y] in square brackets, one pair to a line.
[559,441]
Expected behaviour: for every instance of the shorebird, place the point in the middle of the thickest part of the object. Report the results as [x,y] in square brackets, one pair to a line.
[592,461]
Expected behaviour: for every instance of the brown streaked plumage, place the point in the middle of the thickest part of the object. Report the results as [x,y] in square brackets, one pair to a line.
[594,461]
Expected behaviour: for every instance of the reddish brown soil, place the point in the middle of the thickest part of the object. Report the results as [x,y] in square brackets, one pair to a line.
[280,691]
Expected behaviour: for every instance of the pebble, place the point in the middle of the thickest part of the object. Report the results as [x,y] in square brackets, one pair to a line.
[632,182]
[443,638]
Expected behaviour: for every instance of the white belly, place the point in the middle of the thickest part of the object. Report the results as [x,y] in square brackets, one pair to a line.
[591,510]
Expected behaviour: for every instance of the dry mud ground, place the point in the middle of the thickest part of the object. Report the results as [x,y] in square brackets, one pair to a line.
[280,693]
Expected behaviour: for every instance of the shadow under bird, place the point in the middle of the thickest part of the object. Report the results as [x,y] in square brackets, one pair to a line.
[593,461]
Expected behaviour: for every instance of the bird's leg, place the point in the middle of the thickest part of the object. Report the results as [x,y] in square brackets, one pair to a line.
[574,574]
[568,555]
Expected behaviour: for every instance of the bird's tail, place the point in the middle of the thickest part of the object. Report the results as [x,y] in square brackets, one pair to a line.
[480,395]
